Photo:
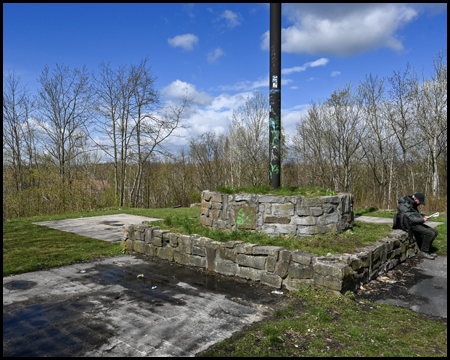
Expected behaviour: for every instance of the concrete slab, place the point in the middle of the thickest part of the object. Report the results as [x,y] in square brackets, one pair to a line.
[104,308]
[105,227]
[388,221]
[418,284]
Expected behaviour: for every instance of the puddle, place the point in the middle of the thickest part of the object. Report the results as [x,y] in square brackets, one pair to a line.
[20,285]
[49,329]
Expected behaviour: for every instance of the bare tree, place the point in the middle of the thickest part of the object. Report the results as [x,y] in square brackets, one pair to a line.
[207,153]
[345,131]
[64,104]
[401,111]
[432,116]
[17,107]
[248,134]
[129,114]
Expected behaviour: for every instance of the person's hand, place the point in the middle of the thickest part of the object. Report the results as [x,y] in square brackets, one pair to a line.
[425,218]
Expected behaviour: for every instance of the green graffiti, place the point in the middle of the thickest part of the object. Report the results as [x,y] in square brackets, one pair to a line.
[274,123]
[273,169]
[242,218]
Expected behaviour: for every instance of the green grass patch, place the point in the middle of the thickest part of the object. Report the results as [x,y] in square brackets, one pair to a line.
[309,192]
[362,234]
[327,325]
[28,247]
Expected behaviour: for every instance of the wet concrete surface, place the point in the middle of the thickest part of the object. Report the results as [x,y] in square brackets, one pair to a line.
[417,284]
[105,227]
[127,306]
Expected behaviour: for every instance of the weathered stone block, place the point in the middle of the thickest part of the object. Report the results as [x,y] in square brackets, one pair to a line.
[330,199]
[277,219]
[138,246]
[330,218]
[271,199]
[249,273]
[245,248]
[267,250]
[131,232]
[282,265]
[303,210]
[270,263]
[312,202]
[211,251]
[269,230]
[306,220]
[299,271]
[301,257]
[295,284]
[181,258]
[197,261]
[294,199]
[150,250]
[331,268]
[271,280]
[316,211]
[257,262]
[226,267]
[206,221]
[226,254]
[230,244]
[327,281]
[185,244]
[283,209]
[165,253]
[251,198]
[129,245]
[306,230]
[289,230]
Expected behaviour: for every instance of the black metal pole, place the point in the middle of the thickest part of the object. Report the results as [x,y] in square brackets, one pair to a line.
[275,96]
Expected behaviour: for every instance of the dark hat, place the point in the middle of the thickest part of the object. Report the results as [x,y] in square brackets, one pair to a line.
[420,197]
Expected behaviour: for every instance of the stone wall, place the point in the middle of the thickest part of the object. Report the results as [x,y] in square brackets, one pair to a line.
[271,265]
[275,215]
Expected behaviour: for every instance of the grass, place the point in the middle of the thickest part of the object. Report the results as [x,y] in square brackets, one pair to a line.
[28,247]
[318,324]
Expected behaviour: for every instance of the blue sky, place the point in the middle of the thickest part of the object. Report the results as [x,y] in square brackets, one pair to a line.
[219,52]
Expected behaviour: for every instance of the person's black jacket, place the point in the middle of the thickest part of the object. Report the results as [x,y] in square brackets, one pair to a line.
[408,206]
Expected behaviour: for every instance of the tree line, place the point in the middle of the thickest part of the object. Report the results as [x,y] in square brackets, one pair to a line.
[89,141]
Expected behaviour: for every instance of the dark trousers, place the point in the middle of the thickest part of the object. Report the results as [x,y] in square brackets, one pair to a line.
[424,236]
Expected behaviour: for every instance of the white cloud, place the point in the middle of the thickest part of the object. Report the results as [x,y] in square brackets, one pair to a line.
[335,73]
[246,85]
[178,89]
[226,101]
[343,29]
[294,87]
[214,55]
[186,41]
[231,18]
[319,62]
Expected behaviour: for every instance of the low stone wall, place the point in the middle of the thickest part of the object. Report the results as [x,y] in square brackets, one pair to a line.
[275,215]
[271,265]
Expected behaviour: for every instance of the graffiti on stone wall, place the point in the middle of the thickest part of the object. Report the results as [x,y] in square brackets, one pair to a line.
[245,217]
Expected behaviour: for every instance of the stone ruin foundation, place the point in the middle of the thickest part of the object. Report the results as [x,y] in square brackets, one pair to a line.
[274,215]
